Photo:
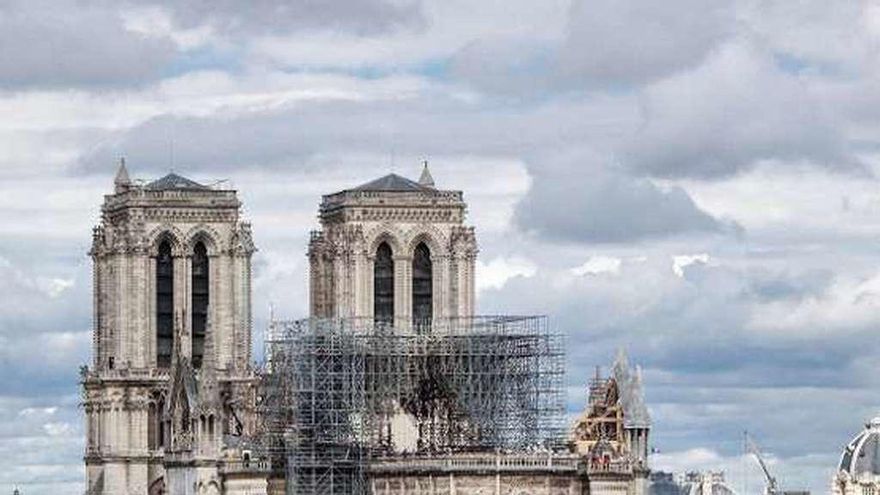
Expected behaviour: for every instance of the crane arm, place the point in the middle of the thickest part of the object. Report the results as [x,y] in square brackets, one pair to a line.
[753,449]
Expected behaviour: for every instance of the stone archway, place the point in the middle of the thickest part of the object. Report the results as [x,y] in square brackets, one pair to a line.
[157,487]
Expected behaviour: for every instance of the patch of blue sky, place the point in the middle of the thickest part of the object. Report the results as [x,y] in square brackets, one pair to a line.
[204,58]
[799,65]
[437,69]
[791,64]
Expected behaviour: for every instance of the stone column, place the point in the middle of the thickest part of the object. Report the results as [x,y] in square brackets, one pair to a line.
[367,286]
[440,286]
[150,337]
[402,291]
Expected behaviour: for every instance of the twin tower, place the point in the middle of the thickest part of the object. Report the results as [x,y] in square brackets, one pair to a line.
[171,396]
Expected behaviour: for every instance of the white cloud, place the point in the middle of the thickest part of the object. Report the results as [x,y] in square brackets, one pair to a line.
[597,265]
[700,458]
[682,261]
[496,273]
[31,411]
[58,429]
[848,306]
[57,286]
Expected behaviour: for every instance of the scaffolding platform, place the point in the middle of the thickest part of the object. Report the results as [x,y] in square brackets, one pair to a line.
[339,393]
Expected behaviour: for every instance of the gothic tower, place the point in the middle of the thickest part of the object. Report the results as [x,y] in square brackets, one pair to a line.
[393,251]
[169,257]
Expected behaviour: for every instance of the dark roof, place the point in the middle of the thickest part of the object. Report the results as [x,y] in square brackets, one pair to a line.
[391,182]
[174,181]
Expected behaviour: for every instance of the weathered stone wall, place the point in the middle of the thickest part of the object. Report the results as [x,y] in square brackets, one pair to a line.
[477,484]
[123,389]
[355,223]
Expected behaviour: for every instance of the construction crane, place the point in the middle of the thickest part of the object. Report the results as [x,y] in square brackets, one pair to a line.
[771,488]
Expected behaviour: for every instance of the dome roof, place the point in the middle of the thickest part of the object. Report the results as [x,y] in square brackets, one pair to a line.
[862,454]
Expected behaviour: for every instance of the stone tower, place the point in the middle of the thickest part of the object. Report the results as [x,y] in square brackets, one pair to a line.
[393,251]
[172,299]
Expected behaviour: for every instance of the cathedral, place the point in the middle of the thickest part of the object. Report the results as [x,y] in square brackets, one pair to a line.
[420,395]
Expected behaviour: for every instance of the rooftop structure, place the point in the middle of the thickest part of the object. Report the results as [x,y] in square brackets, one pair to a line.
[858,471]
[862,455]
[173,181]
[163,404]
[393,249]
[616,422]
[342,394]
[391,386]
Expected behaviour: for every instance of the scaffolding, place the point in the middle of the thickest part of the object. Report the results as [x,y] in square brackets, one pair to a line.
[341,392]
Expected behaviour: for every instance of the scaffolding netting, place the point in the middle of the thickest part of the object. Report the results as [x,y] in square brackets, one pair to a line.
[339,393]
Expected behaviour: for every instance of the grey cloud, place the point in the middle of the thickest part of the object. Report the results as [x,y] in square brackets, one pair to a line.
[811,283]
[71,44]
[362,17]
[613,42]
[697,327]
[44,436]
[583,202]
[728,114]
[425,125]
[707,375]
[505,65]
[622,208]
[45,308]
[608,44]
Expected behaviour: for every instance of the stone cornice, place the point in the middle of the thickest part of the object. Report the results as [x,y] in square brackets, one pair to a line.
[398,213]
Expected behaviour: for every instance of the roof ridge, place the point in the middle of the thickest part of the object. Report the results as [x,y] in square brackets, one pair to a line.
[391,182]
[173,180]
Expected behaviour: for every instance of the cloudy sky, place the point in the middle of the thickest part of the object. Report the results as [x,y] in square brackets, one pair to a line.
[693,180]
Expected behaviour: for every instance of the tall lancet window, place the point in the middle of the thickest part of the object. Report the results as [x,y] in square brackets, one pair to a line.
[422,287]
[164,305]
[383,285]
[199,302]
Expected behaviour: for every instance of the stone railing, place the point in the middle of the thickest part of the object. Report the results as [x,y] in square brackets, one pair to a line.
[495,325]
[333,201]
[477,463]
[241,466]
[596,466]
[87,373]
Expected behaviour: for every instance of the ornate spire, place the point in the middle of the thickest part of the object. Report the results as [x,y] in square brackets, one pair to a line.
[208,388]
[122,181]
[426,180]
[182,393]
[621,366]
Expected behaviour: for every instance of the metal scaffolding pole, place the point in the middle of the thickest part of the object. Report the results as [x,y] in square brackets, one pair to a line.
[338,393]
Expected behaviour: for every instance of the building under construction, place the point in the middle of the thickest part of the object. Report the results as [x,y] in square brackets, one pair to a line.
[391,386]
[343,394]
[394,386]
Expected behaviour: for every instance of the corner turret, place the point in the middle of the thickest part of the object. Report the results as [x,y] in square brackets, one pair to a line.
[426,180]
[122,182]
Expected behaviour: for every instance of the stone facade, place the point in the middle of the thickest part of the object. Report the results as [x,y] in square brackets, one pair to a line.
[607,455]
[147,232]
[543,474]
[171,396]
[401,214]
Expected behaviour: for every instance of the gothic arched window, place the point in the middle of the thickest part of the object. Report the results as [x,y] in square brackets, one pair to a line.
[383,285]
[164,305]
[199,302]
[422,287]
